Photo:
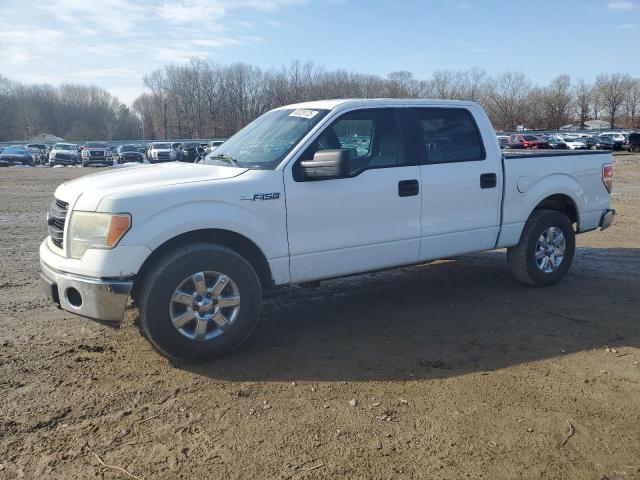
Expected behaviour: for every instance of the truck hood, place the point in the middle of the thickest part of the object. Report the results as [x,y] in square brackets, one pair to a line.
[86,192]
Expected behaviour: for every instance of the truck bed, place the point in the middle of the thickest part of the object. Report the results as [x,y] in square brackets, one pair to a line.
[573,174]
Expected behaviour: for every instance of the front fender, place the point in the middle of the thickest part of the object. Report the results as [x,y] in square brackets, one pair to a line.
[176,220]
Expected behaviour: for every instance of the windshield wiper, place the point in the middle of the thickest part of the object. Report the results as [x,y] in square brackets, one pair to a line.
[226,158]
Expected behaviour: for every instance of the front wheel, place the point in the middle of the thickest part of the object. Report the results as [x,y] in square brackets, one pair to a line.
[635,148]
[545,251]
[199,302]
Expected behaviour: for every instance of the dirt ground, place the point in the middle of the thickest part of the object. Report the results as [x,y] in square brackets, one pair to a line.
[443,371]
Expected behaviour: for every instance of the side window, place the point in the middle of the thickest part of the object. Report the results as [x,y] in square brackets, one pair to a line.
[449,135]
[371,137]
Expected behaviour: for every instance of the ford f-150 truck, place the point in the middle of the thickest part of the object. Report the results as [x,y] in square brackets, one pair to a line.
[309,192]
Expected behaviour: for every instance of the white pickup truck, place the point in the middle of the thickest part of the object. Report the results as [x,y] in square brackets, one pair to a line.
[309,192]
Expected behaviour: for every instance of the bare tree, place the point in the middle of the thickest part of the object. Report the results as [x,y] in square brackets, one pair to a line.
[506,99]
[632,104]
[557,100]
[584,96]
[611,90]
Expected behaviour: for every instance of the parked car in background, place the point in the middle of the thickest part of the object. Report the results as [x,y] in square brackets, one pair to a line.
[598,143]
[557,143]
[213,144]
[633,143]
[619,141]
[129,153]
[191,151]
[566,143]
[504,142]
[15,155]
[613,136]
[40,151]
[64,154]
[96,153]
[161,152]
[527,141]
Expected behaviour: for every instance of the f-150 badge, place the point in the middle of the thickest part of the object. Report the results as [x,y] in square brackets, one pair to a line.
[261,196]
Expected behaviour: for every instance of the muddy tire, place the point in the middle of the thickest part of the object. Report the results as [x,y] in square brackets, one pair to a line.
[545,251]
[200,301]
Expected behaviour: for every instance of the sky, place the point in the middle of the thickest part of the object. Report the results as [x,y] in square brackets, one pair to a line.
[113,43]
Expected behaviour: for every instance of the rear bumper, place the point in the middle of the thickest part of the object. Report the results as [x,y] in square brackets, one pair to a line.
[607,218]
[97,298]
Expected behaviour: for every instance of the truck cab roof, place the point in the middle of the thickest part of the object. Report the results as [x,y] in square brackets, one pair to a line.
[373,103]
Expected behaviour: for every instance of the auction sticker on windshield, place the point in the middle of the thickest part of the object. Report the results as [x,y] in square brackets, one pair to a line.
[304,113]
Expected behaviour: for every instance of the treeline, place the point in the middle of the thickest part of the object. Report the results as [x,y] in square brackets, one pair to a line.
[73,112]
[206,100]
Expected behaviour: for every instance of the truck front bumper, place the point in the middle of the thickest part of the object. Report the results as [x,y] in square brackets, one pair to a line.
[97,298]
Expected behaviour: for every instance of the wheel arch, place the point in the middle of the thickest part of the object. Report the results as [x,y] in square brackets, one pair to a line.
[562,203]
[232,240]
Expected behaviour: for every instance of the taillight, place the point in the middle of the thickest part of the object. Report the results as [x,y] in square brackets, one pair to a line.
[607,176]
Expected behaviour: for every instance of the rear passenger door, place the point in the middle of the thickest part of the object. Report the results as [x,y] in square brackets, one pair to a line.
[460,184]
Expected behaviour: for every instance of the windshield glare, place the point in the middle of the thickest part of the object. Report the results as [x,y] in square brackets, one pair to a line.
[267,140]
[62,146]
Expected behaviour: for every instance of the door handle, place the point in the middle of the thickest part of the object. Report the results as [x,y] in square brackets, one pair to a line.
[408,188]
[488,180]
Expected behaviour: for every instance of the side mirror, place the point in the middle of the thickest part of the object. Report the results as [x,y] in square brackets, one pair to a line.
[326,164]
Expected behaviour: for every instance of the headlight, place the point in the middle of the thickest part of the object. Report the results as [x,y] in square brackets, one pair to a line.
[96,230]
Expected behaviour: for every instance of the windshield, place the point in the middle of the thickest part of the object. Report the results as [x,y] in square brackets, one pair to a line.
[268,139]
[64,146]
[161,146]
[530,138]
[18,150]
[128,148]
[95,145]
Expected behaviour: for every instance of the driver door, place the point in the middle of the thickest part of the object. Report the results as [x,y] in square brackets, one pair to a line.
[366,221]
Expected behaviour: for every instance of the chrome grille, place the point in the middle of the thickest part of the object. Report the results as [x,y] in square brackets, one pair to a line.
[56,219]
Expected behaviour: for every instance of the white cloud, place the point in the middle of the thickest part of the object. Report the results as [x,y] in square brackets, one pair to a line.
[627,26]
[622,5]
[114,43]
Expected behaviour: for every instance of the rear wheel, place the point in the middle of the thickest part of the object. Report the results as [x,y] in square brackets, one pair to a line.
[546,249]
[593,147]
[199,302]
[635,148]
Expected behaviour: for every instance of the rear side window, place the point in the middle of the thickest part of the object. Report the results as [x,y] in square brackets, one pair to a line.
[448,135]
